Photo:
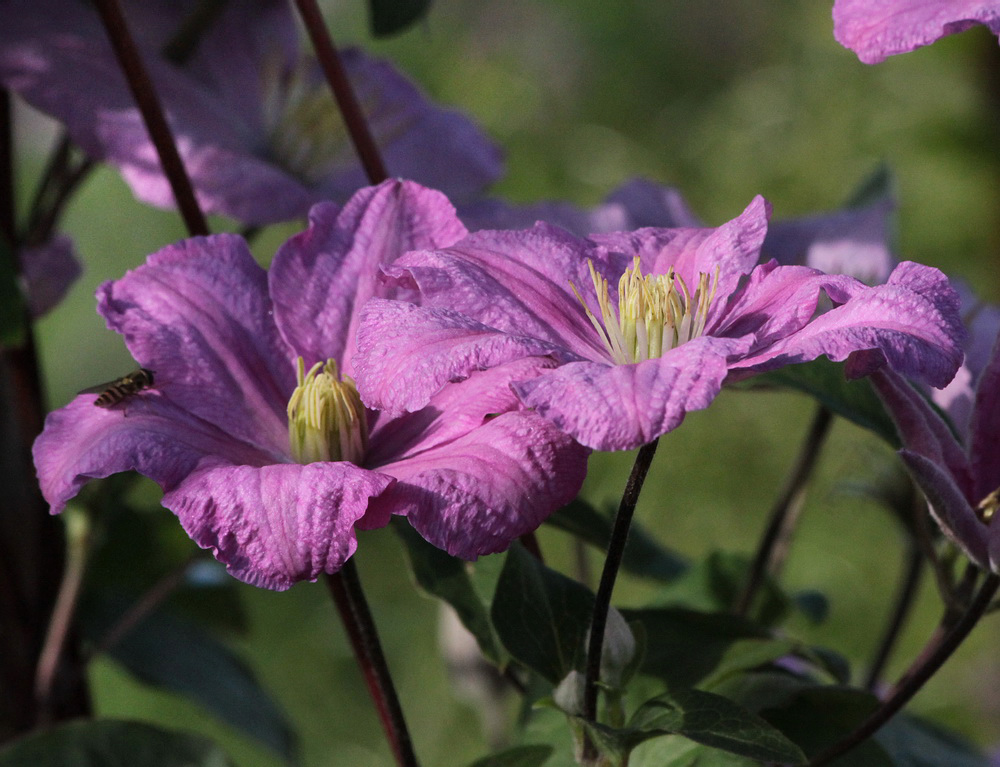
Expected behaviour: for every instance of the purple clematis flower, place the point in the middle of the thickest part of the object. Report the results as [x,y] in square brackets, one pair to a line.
[851,241]
[255,124]
[640,327]
[263,450]
[876,29]
[48,271]
[959,477]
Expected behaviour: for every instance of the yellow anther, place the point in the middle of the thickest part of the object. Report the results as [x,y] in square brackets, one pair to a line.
[326,420]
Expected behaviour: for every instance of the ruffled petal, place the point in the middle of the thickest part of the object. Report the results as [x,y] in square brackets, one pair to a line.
[147,433]
[320,278]
[620,407]
[912,323]
[650,204]
[476,494]
[984,446]
[953,513]
[407,353]
[875,30]
[273,526]
[198,315]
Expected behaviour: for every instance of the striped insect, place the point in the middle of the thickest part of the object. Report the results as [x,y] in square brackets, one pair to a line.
[114,392]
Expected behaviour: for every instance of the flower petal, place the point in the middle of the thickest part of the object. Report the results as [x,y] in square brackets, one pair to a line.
[875,30]
[49,270]
[147,433]
[984,446]
[953,513]
[320,278]
[620,407]
[273,526]
[407,353]
[476,494]
[198,315]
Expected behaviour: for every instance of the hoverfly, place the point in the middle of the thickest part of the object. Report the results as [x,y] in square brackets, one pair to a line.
[114,392]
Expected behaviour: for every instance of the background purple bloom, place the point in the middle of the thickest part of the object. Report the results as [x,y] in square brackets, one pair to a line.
[500,296]
[223,335]
[254,122]
[875,29]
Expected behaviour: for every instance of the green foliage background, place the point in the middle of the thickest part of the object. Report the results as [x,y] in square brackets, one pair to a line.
[724,100]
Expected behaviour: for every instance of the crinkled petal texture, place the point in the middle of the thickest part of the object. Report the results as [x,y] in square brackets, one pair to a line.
[275,525]
[496,297]
[232,108]
[320,278]
[875,29]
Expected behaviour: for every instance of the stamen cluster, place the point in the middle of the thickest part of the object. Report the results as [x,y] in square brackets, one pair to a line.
[654,313]
[326,420]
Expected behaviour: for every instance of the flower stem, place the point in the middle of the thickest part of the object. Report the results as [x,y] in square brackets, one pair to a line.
[905,597]
[612,563]
[936,652]
[152,114]
[345,587]
[354,118]
[773,547]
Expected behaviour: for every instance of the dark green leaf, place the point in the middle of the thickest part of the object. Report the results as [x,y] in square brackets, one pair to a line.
[913,742]
[518,756]
[748,654]
[391,16]
[813,604]
[717,722]
[177,655]
[675,751]
[643,555]
[824,380]
[447,578]
[684,646]
[111,743]
[541,616]
[878,186]
[13,314]
[817,717]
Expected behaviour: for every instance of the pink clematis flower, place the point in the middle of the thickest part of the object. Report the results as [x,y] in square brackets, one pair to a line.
[255,123]
[638,327]
[252,425]
[876,29]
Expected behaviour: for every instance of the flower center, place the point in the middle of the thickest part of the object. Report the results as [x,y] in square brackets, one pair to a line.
[654,314]
[305,133]
[326,420]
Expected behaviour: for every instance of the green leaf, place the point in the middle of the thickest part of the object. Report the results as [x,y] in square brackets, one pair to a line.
[110,743]
[824,381]
[13,313]
[443,576]
[748,654]
[714,721]
[643,555]
[177,655]
[518,756]
[914,742]
[541,616]
[391,16]
[675,751]
[684,646]
[878,186]
[813,604]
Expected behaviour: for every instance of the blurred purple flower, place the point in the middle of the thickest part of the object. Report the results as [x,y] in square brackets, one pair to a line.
[254,121]
[276,482]
[850,241]
[875,29]
[48,271]
[640,327]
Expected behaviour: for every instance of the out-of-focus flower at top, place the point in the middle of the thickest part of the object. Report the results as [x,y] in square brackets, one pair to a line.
[254,429]
[850,241]
[641,327]
[253,118]
[48,270]
[960,477]
[876,29]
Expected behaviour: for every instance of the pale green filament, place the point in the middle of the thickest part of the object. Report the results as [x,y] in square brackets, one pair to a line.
[326,420]
[654,313]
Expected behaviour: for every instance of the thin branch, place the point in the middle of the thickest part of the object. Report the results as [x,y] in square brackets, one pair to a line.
[149,105]
[345,587]
[612,563]
[773,547]
[938,650]
[354,118]
[905,598]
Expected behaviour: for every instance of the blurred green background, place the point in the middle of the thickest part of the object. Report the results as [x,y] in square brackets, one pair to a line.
[725,100]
